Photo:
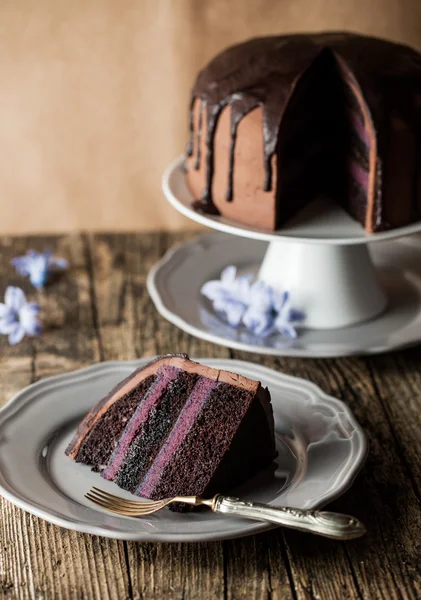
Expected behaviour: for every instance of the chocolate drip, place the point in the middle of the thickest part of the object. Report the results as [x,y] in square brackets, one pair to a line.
[265,71]
[189,149]
[206,204]
[199,135]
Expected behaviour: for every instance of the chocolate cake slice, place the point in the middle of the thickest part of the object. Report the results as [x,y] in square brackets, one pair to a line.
[277,121]
[175,427]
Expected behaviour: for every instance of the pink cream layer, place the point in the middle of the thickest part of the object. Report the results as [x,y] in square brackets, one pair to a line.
[358,126]
[178,434]
[359,174]
[165,375]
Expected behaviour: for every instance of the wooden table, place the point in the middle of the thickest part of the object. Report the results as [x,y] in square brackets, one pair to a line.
[100,310]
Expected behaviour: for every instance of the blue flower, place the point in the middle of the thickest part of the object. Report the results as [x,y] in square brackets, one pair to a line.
[18,317]
[287,316]
[262,309]
[229,295]
[260,314]
[38,266]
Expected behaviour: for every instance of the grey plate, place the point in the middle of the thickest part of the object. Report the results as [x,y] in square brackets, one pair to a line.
[321,449]
[174,285]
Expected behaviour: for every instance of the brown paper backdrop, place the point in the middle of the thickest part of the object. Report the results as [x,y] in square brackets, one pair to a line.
[94,95]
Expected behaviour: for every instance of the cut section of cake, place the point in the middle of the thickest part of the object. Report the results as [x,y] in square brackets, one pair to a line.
[176,427]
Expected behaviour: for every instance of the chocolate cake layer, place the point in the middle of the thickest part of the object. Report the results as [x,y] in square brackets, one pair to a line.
[237,170]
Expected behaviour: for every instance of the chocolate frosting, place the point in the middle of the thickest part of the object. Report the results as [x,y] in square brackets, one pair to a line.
[264,72]
[180,361]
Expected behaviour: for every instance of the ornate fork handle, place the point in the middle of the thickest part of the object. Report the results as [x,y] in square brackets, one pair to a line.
[329,524]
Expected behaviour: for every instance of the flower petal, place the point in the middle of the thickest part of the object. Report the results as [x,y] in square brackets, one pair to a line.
[295,316]
[5,311]
[14,298]
[7,326]
[34,328]
[241,289]
[58,263]
[21,264]
[33,307]
[38,277]
[229,274]
[29,321]
[260,323]
[285,329]
[212,290]
[16,335]
[234,312]
[280,300]
[261,297]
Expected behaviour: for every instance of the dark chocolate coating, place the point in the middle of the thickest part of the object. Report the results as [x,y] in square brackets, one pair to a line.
[265,71]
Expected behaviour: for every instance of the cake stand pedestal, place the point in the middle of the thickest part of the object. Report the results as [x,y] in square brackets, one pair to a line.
[334,285]
[322,257]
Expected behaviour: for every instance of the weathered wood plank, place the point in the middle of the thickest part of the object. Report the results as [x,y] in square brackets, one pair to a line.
[177,571]
[383,564]
[39,560]
[257,568]
[397,381]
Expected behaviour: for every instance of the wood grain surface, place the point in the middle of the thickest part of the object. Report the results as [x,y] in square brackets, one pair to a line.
[100,310]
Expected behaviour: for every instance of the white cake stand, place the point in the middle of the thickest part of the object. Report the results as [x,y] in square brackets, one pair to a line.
[361,294]
[321,257]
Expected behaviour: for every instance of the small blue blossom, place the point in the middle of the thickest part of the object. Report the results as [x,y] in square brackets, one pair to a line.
[229,295]
[262,309]
[260,314]
[287,316]
[18,317]
[38,266]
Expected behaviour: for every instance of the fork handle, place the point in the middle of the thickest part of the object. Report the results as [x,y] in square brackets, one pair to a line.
[328,524]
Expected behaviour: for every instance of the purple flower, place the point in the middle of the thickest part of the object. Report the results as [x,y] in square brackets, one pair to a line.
[260,323]
[287,316]
[261,308]
[260,315]
[38,266]
[229,295]
[18,317]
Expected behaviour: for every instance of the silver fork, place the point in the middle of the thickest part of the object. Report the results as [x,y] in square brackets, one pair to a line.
[328,524]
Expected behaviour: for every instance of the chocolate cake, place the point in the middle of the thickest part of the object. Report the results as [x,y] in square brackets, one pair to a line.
[175,427]
[277,121]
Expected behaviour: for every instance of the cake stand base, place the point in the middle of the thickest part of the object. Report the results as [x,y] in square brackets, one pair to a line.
[335,286]
[174,284]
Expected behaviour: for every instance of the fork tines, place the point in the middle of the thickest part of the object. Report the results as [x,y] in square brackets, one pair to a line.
[132,508]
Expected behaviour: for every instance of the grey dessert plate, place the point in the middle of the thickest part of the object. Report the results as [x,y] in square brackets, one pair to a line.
[174,284]
[321,449]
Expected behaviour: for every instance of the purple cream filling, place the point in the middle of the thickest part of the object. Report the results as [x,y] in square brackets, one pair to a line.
[359,127]
[164,377]
[178,434]
[358,174]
